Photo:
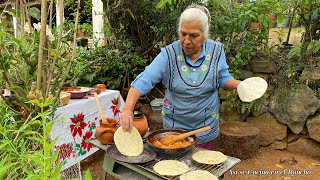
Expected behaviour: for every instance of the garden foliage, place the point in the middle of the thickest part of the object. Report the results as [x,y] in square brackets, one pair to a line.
[25,150]
[148,28]
[135,32]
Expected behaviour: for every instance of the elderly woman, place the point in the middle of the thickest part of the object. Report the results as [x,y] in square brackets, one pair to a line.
[191,69]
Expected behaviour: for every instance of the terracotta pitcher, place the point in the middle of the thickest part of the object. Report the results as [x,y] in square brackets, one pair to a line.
[140,121]
[105,132]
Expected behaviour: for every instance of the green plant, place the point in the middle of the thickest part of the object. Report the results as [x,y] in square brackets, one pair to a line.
[42,59]
[281,35]
[25,150]
[308,11]
[231,26]
[291,69]
[251,106]
[295,53]
[87,175]
[69,26]
[86,29]
[311,52]
[233,102]
[85,12]
[19,62]
[108,66]
[143,24]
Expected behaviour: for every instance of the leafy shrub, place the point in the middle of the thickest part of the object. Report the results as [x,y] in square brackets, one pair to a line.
[144,25]
[19,65]
[109,66]
[150,28]
[233,102]
[25,150]
[231,25]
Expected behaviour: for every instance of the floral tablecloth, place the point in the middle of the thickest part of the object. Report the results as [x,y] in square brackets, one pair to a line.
[76,122]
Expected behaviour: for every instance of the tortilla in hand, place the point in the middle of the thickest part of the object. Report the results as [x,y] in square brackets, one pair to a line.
[128,143]
[251,89]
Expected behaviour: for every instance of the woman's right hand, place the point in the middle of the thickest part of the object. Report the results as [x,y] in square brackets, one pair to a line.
[126,120]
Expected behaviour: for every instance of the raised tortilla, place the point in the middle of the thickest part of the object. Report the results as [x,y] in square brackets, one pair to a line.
[128,143]
[170,167]
[251,89]
[209,157]
[198,175]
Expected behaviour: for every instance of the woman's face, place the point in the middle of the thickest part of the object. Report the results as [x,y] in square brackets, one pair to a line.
[191,37]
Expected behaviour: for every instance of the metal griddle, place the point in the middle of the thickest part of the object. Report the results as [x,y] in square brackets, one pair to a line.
[217,170]
[140,171]
[146,155]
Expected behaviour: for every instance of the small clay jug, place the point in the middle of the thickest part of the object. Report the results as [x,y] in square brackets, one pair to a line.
[105,132]
[140,121]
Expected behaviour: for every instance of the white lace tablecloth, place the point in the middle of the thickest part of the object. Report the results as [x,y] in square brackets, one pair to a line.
[75,124]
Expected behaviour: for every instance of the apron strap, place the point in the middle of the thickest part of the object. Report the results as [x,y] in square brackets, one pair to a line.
[218,55]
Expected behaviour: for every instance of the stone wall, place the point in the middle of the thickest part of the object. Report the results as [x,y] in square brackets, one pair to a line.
[289,116]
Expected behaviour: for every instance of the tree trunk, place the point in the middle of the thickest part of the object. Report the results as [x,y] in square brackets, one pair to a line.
[237,139]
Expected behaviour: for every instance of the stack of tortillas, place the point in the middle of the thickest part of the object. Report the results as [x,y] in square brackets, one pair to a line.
[128,143]
[170,167]
[251,89]
[209,157]
[198,175]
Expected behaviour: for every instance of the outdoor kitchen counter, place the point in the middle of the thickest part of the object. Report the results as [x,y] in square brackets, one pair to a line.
[123,170]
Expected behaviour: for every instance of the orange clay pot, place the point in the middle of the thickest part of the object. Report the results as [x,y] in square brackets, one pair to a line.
[255,25]
[102,87]
[141,123]
[105,132]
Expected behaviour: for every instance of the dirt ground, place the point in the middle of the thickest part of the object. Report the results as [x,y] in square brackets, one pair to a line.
[276,164]
[267,164]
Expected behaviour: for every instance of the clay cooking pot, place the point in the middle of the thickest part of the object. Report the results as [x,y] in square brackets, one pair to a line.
[140,121]
[105,132]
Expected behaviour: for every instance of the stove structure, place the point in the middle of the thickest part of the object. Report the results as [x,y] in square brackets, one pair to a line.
[141,171]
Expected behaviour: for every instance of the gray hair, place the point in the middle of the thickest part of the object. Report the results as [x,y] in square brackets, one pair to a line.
[197,13]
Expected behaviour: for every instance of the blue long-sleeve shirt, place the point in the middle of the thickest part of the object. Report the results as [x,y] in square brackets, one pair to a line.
[154,73]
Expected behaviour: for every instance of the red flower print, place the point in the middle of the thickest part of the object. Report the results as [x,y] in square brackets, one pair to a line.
[115,106]
[65,151]
[85,144]
[92,124]
[78,125]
